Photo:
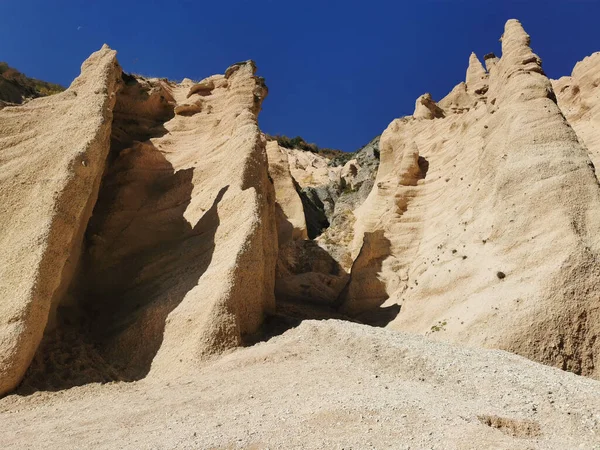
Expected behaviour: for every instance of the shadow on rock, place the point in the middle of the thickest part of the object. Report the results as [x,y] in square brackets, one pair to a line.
[140,259]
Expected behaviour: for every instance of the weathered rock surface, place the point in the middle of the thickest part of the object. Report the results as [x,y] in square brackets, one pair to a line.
[309,275]
[49,182]
[484,224]
[358,177]
[178,260]
[426,108]
[233,201]
[147,227]
[291,223]
[579,101]
[311,169]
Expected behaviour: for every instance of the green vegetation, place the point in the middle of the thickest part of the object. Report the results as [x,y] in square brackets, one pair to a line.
[298,143]
[15,86]
[440,326]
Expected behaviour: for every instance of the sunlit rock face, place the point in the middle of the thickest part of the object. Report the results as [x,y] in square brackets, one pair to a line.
[484,223]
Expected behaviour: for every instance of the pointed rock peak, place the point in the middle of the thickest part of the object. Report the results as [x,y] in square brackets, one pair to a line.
[474,61]
[514,35]
[516,50]
[426,108]
[476,74]
[97,65]
[474,64]
[235,67]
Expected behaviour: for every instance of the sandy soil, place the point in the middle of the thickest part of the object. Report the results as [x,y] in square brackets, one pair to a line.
[324,384]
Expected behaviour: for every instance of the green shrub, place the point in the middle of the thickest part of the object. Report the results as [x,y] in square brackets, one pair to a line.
[298,143]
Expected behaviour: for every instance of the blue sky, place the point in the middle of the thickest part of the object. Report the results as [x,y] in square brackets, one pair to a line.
[338,71]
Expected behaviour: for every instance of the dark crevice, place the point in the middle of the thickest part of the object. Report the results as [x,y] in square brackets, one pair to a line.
[314,212]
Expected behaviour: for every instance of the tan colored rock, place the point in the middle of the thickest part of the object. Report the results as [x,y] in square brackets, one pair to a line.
[189,109]
[490,61]
[477,78]
[357,177]
[349,172]
[458,100]
[203,88]
[311,169]
[52,156]
[308,275]
[578,99]
[492,219]
[426,108]
[291,220]
[183,240]
[178,259]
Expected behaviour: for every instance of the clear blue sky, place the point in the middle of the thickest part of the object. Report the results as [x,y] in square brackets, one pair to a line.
[338,71]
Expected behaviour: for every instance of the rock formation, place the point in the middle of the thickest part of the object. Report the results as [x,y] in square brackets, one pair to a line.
[578,99]
[141,243]
[48,188]
[311,274]
[483,224]
[291,223]
[148,229]
[357,179]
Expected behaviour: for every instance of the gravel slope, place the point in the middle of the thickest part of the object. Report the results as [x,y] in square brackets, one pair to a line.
[324,384]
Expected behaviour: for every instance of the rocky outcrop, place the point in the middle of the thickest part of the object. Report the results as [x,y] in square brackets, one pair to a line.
[233,201]
[48,187]
[148,225]
[357,177]
[291,223]
[310,169]
[311,274]
[477,77]
[426,108]
[483,225]
[578,99]
[331,187]
[177,261]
